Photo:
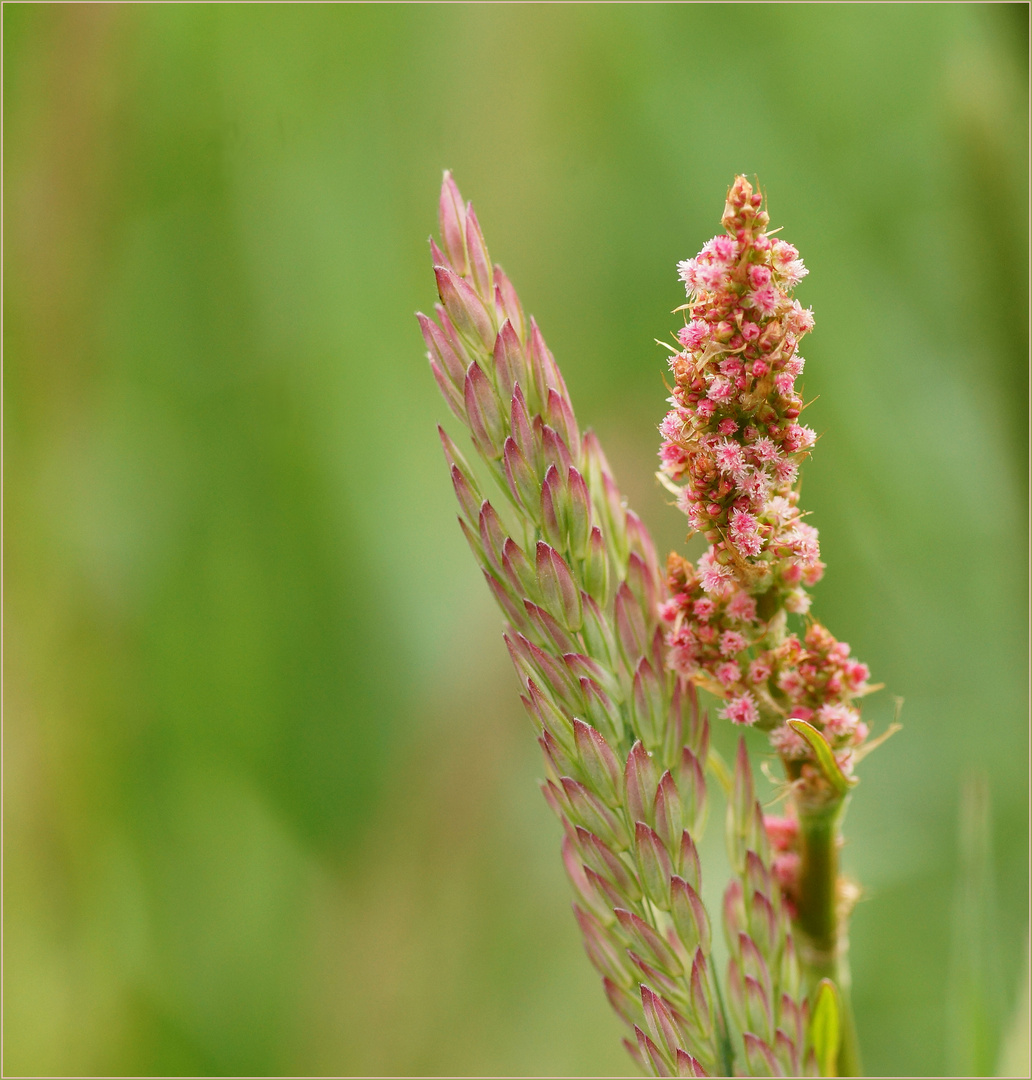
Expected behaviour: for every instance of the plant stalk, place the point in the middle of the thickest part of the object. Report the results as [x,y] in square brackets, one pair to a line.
[822,914]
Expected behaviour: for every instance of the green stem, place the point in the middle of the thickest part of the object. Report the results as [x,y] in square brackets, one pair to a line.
[821,921]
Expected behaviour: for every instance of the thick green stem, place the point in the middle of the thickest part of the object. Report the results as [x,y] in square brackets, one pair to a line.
[822,911]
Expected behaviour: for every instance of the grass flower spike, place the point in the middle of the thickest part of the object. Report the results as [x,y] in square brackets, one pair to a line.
[609,649]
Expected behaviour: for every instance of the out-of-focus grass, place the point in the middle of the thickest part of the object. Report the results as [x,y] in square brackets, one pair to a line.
[269,798]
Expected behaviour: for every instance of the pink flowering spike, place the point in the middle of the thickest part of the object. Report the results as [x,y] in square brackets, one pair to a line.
[688,861]
[688,1066]
[639,784]
[689,916]
[653,864]
[469,498]
[596,567]
[493,538]
[630,625]
[669,820]
[453,224]
[452,396]
[648,943]
[599,761]
[759,1056]
[523,485]
[691,787]
[479,260]
[516,617]
[699,993]
[440,349]
[519,571]
[465,309]
[562,597]
[509,364]
[511,302]
[650,1055]
[484,413]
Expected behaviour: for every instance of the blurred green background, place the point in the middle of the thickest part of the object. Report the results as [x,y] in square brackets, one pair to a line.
[270,801]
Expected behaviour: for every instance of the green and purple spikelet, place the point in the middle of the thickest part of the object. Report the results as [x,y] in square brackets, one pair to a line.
[625,746]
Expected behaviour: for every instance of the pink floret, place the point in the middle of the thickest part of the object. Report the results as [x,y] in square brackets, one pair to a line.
[741,710]
[732,643]
[728,674]
[742,606]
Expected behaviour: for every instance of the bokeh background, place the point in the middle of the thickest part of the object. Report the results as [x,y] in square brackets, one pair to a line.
[269,796]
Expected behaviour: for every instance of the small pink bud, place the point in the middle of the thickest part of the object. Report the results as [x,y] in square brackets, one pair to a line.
[453,223]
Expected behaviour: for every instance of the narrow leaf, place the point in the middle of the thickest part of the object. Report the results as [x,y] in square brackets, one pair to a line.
[825,758]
